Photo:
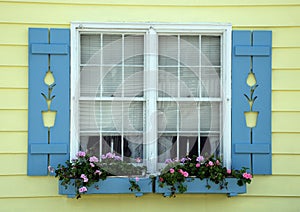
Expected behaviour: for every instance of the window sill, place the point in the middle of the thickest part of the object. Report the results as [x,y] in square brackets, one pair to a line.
[198,186]
[112,185]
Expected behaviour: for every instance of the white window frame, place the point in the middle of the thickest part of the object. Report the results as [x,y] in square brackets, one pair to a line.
[224,29]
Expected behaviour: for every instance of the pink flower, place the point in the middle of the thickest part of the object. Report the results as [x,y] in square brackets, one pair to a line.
[137,179]
[198,165]
[138,160]
[180,171]
[92,165]
[210,163]
[247,175]
[228,171]
[82,189]
[85,179]
[200,158]
[80,154]
[185,174]
[217,162]
[94,159]
[98,172]
[161,179]
[172,171]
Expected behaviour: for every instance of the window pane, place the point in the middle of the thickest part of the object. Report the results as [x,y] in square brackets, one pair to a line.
[189,82]
[112,82]
[133,116]
[134,50]
[167,116]
[167,50]
[167,82]
[133,82]
[189,50]
[210,81]
[90,46]
[210,116]
[90,81]
[188,116]
[210,51]
[112,49]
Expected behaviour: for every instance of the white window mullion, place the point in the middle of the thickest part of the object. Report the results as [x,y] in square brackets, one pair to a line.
[151,99]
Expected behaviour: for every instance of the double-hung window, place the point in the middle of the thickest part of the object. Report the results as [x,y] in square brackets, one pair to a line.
[151,92]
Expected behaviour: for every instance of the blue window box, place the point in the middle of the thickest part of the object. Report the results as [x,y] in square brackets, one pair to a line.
[112,185]
[197,186]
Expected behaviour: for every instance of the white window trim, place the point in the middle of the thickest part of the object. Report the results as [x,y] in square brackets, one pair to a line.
[222,28]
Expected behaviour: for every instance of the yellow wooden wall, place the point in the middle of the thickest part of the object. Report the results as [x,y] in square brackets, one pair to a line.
[279,192]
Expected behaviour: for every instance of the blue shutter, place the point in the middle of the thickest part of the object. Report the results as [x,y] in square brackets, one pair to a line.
[251,49]
[48,49]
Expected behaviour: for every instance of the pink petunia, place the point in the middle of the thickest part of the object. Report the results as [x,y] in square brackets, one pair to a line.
[228,171]
[82,189]
[200,158]
[198,165]
[210,163]
[80,154]
[92,165]
[247,175]
[185,174]
[217,162]
[98,172]
[93,159]
[172,171]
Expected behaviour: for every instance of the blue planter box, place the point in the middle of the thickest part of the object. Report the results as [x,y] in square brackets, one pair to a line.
[112,185]
[199,186]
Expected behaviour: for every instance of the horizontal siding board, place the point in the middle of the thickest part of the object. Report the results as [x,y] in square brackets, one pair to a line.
[286,143]
[286,165]
[285,80]
[285,121]
[13,142]
[286,101]
[13,77]
[13,99]
[15,120]
[189,202]
[285,16]
[13,55]
[286,58]
[167,2]
[28,186]
[13,164]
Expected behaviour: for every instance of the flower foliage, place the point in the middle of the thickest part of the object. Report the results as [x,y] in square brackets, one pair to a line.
[86,170]
[176,172]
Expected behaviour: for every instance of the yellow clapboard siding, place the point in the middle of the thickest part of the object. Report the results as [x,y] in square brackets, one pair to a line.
[26,186]
[13,164]
[286,100]
[13,99]
[31,13]
[18,34]
[286,58]
[13,142]
[150,203]
[286,143]
[274,186]
[285,80]
[285,121]
[15,120]
[13,55]
[168,2]
[286,164]
[13,77]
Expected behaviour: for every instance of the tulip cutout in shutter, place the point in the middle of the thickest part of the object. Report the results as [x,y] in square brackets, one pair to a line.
[49,115]
[251,116]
